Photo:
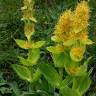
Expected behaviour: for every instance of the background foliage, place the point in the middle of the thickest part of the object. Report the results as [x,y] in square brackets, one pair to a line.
[47,13]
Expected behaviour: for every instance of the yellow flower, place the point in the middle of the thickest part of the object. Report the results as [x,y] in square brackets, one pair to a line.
[63,27]
[73,70]
[61,37]
[29,29]
[27,10]
[81,17]
[72,26]
[27,15]
[84,36]
[77,53]
[27,2]
[27,45]
[64,23]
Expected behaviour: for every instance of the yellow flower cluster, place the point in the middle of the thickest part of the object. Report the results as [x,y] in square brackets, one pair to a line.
[71,31]
[27,11]
[77,53]
[73,25]
[63,26]
[81,17]
[64,22]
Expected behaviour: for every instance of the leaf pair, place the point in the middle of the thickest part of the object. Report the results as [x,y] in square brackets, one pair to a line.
[26,74]
[29,45]
[23,70]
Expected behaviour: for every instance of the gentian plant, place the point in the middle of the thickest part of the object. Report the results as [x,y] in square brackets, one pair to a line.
[69,72]
[71,37]
[27,69]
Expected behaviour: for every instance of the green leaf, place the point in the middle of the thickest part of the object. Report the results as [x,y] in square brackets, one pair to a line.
[59,59]
[55,39]
[87,61]
[38,44]
[23,72]
[69,92]
[81,84]
[36,75]
[23,44]
[26,45]
[20,43]
[81,71]
[88,42]
[33,56]
[74,69]
[56,49]
[24,61]
[69,42]
[66,82]
[50,74]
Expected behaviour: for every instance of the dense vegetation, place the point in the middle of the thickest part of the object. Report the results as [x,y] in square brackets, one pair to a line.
[11,26]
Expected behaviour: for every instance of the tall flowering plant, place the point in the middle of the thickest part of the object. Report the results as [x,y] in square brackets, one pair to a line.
[70,74]
[70,37]
[26,68]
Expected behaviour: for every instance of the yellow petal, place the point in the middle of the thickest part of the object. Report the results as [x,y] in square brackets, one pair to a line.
[77,53]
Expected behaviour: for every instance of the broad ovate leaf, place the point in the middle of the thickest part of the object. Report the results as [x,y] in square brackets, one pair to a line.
[50,74]
[55,39]
[60,59]
[38,44]
[69,42]
[23,44]
[36,75]
[23,61]
[23,72]
[87,41]
[33,56]
[56,49]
